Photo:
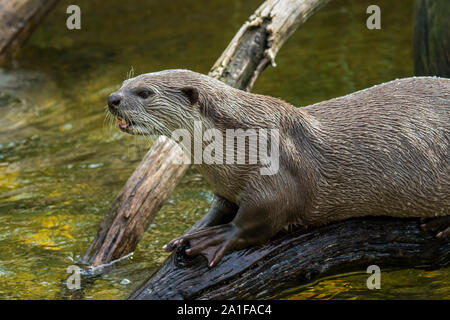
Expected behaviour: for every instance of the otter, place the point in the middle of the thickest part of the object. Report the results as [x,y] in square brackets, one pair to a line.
[381,151]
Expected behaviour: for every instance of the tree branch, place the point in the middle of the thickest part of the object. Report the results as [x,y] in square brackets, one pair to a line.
[18,19]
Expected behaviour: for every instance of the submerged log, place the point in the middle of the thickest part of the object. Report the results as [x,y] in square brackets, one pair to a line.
[252,49]
[296,259]
[18,19]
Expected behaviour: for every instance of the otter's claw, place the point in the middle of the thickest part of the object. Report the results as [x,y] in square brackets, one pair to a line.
[172,245]
[444,234]
[440,226]
[212,242]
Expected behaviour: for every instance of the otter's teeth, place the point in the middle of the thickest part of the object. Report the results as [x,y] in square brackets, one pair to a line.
[122,122]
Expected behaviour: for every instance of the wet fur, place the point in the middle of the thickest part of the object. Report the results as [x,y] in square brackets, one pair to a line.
[378,151]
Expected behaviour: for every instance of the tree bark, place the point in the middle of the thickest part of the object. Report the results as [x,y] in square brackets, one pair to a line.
[18,19]
[254,46]
[296,259]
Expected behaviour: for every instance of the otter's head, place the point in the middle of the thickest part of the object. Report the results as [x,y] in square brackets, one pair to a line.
[157,103]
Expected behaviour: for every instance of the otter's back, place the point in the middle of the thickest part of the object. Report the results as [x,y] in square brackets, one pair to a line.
[384,150]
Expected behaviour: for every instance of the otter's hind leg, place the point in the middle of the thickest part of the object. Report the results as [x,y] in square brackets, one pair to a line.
[222,211]
[440,226]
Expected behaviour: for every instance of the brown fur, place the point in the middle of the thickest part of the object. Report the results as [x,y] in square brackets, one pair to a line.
[378,151]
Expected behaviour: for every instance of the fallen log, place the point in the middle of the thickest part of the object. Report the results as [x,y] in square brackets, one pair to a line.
[252,49]
[296,259]
[18,19]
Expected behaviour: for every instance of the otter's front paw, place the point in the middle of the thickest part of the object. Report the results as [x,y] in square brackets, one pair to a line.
[440,226]
[212,242]
[444,234]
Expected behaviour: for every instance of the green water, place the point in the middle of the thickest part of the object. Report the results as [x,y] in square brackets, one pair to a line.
[60,166]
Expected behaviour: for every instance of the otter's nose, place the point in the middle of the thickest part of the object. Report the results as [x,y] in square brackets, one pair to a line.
[113,100]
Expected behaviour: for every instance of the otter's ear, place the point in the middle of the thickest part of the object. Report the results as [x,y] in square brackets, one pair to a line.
[191,93]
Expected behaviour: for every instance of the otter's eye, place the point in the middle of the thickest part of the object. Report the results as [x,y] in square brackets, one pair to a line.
[144,94]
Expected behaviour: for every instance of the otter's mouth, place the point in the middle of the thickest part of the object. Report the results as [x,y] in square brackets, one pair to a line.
[128,126]
[123,124]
